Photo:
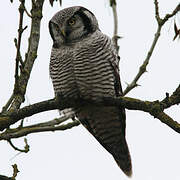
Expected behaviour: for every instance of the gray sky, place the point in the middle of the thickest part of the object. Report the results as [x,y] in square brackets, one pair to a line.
[75,154]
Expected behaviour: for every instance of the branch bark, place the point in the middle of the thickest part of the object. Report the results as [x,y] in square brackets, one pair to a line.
[115,37]
[155,108]
[24,131]
[18,55]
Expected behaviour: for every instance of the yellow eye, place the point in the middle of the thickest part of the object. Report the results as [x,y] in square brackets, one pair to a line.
[72,21]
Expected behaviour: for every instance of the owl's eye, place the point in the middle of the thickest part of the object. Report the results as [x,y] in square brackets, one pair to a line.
[72,21]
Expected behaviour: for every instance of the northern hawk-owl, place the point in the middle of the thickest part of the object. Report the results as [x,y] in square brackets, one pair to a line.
[84,64]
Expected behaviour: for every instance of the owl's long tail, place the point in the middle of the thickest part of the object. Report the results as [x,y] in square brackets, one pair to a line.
[107,125]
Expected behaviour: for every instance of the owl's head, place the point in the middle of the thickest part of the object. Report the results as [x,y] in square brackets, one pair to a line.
[71,25]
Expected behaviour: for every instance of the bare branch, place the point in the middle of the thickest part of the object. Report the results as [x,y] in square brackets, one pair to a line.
[21,80]
[172,100]
[26,11]
[60,2]
[143,67]
[20,132]
[26,148]
[8,103]
[31,54]
[5,178]
[15,171]
[164,118]
[40,127]
[167,16]
[176,31]
[155,108]
[7,118]
[51,123]
[115,18]
[156,3]
[18,55]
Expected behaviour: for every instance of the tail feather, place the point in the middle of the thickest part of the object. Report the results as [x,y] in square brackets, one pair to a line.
[123,160]
[107,125]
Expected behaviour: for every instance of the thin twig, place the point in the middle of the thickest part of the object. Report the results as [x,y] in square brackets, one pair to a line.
[156,3]
[26,11]
[31,54]
[60,2]
[115,18]
[15,171]
[143,67]
[167,16]
[6,106]
[24,131]
[51,123]
[18,56]
[26,148]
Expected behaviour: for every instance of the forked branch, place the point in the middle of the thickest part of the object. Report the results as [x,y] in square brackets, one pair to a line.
[143,67]
[155,108]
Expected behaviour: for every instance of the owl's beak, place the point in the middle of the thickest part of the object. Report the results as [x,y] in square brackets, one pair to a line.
[63,32]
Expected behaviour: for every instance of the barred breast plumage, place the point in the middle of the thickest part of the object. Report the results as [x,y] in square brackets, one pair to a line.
[84,64]
[84,69]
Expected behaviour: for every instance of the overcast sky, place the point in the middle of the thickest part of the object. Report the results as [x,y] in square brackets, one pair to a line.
[75,154]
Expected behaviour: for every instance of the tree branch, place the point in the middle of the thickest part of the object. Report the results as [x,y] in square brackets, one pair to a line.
[167,16]
[143,67]
[15,172]
[154,108]
[26,148]
[5,178]
[18,46]
[28,14]
[21,132]
[115,18]
[30,55]
[8,103]
[157,16]
[164,118]
[172,100]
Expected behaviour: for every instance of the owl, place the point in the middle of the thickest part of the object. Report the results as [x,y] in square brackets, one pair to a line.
[84,65]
